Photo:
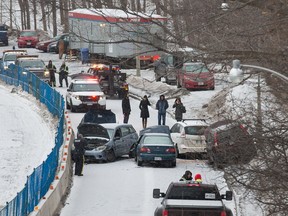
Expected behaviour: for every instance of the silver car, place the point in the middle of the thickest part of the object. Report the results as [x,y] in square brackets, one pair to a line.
[107,141]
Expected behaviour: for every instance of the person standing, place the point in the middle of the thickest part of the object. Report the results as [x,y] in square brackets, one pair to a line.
[63,74]
[61,48]
[179,109]
[126,108]
[144,103]
[79,152]
[161,106]
[52,70]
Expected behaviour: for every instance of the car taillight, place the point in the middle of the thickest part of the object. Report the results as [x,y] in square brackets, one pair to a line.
[165,212]
[215,139]
[223,213]
[170,150]
[145,150]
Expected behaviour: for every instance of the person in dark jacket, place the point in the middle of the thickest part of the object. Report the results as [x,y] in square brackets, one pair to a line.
[63,74]
[161,106]
[187,176]
[52,70]
[179,109]
[144,103]
[79,152]
[126,108]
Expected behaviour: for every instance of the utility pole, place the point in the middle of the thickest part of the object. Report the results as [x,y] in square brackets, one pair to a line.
[1,11]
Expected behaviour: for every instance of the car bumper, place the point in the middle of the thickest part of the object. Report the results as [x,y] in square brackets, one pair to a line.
[183,149]
[156,157]
[79,103]
[27,44]
[93,155]
[199,85]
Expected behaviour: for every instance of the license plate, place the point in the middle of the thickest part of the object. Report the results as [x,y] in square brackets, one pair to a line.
[200,83]
[89,104]
[157,158]
[28,43]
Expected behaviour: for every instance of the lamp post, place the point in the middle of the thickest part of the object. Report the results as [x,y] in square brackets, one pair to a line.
[236,75]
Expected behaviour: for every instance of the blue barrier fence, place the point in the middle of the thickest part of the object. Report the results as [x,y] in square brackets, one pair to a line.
[39,181]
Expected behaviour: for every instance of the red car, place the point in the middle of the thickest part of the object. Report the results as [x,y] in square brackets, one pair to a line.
[195,75]
[43,45]
[28,38]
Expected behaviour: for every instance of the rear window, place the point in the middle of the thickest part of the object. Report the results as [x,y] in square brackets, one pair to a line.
[157,140]
[28,34]
[195,130]
[194,193]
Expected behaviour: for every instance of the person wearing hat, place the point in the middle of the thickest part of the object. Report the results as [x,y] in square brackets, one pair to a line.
[63,74]
[161,106]
[187,176]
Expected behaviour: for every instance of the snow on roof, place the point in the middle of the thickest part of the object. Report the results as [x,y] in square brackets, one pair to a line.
[114,13]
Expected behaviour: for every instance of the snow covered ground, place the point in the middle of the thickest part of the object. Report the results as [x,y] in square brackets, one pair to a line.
[119,188]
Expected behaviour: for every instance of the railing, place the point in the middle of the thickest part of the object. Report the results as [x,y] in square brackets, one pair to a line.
[39,181]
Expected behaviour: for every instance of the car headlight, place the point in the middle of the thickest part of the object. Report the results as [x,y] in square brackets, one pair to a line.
[76,97]
[101,148]
[5,67]
[46,73]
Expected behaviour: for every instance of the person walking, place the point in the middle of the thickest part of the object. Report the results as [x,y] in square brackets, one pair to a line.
[63,74]
[187,176]
[161,106]
[52,70]
[179,109]
[126,108]
[79,152]
[144,103]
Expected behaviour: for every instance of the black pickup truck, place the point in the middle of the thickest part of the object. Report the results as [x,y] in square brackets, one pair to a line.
[192,199]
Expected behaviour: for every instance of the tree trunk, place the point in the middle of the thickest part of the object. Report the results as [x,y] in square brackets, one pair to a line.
[43,12]
[54,17]
[133,5]
[138,5]
[35,13]
[65,16]
[27,10]
[123,4]
[97,4]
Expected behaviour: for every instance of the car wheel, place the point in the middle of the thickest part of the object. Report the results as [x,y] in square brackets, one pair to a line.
[177,151]
[67,105]
[139,163]
[173,164]
[110,155]
[73,109]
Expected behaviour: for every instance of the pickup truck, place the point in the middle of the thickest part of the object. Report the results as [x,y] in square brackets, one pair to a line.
[192,198]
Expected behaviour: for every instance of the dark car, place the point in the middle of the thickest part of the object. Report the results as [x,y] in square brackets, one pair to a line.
[155,148]
[191,198]
[195,75]
[28,38]
[229,142]
[43,45]
[4,34]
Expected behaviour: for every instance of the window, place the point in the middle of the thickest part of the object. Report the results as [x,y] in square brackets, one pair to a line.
[125,131]
[175,129]
[195,130]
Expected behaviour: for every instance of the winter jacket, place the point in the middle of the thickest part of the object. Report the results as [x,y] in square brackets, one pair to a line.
[63,71]
[79,145]
[126,108]
[179,110]
[162,105]
[144,108]
[52,69]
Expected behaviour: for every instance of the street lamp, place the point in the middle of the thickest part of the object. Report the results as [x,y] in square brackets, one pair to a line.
[236,75]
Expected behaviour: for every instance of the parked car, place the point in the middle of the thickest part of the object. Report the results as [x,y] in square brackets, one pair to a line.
[155,148]
[83,94]
[10,56]
[4,34]
[152,129]
[107,141]
[43,45]
[51,48]
[188,136]
[195,75]
[229,142]
[191,198]
[33,64]
[28,38]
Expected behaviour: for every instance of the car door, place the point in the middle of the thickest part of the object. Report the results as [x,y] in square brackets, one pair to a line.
[175,133]
[118,142]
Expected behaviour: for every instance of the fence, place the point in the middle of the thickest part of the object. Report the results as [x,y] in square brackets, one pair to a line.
[39,181]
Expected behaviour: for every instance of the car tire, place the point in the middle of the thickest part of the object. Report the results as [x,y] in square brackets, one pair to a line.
[177,151]
[110,155]
[139,163]
[67,105]
[73,109]
[173,164]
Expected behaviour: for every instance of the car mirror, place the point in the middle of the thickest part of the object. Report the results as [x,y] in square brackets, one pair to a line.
[156,193]
[229,195]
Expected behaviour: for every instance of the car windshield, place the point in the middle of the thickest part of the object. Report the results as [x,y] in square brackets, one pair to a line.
[86,87]
[10,57]
[195,130]
[28,34]
[157,140]
[32,64]
[194,193]
[110,132]
[195,68]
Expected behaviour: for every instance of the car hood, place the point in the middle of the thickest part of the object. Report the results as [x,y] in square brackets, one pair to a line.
[91,130]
